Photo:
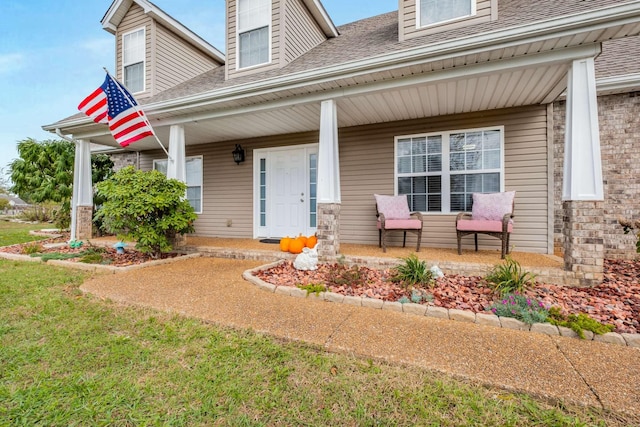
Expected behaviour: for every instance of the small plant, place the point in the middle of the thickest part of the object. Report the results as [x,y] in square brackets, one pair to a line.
[92,258]
[343,275]
[578,322]
[31,248]
[404,300]
[412,272]
[529,310]
[629,226]
[509,277]
[313,288]
[418,296]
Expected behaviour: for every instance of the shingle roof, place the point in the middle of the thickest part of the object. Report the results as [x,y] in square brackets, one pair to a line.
[615,58]
[378,35]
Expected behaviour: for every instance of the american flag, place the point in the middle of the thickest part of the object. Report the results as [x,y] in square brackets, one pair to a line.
[111,103]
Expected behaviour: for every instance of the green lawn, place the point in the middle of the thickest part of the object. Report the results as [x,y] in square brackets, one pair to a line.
[12,233]
[68,359]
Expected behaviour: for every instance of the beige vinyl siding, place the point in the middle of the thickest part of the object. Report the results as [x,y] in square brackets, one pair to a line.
[301,33]
[367,167]
[135,19]
[232,47]
[486,10]
[227,187]
[176,61]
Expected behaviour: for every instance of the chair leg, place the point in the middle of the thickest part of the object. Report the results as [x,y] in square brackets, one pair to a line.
[404,239]
[475,237]
[459,243]
[384,240]
[419,240]
[380,238]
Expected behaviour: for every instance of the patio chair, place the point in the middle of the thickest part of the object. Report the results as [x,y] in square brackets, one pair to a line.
[393,215]
[491,214]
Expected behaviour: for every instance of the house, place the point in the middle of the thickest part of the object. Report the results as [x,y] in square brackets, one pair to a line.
[436,101]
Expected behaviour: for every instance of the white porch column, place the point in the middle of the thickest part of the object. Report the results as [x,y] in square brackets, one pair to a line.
[82,198]
[176,166]
[328,157]
[329,197]
[582,161]
[582,191]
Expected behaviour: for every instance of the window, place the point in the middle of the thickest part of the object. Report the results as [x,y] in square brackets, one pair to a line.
[254,20]
[439,172]
[194,179]
[436,11]
[133,55]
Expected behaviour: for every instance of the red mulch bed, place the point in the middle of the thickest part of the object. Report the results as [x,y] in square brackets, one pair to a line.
[616,301]
[110,255]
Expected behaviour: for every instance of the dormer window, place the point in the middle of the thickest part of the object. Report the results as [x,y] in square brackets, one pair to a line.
[254,28]
[437,11]
[133,56]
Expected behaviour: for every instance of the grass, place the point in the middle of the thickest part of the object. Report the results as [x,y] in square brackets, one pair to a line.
[12,233]
[70,359]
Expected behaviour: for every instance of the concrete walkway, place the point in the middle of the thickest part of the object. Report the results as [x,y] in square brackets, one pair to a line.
[559,368]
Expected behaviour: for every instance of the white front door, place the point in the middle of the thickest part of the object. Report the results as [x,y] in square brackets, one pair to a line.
[285,191]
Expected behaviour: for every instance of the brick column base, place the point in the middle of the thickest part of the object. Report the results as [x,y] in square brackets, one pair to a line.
[584,240]
[84,222]
[328,230]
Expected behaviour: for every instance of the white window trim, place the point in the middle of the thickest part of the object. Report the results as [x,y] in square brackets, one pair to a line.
[144,57]
[270,39]
[419,26]
[155,161]
[446,173]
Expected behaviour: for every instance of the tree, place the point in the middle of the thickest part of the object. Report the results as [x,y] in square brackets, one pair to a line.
[145,207]
[44,173]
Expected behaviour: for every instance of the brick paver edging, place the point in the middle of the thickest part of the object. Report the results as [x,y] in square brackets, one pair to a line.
[631,340]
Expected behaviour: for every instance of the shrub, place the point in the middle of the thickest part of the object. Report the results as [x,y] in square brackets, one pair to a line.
[529,310]
[145,207]
[38,213]
[31,248]
[509,277]
[412,272]
[578,322]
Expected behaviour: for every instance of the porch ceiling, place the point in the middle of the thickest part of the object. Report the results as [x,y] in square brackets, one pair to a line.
[452,95]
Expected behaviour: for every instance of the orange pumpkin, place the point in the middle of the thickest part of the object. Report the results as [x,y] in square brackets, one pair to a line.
[312,241]
[303,238]
[284,244]
[296,246]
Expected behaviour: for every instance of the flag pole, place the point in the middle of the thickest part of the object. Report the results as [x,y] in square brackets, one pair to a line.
[143,116]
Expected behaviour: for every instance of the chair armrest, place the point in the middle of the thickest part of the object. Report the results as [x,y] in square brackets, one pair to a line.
[380,216]
[416,215]
[463,215]
[505,221]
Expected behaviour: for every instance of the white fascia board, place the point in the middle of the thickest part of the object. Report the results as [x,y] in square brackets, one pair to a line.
[322,17]
[619,83]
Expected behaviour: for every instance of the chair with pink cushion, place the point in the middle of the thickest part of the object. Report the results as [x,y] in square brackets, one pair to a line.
[393,215]
[491,214]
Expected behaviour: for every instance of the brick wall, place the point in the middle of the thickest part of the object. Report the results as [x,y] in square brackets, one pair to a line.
[121,160]
[619,117]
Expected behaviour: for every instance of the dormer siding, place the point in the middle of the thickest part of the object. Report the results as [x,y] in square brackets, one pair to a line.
[409,27]
[293,32]
[169,59]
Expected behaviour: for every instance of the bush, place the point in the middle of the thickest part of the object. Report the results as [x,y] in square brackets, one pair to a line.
[578,322]
[412,272]
[145,207]
[38,213]
[529,310]
[509,277]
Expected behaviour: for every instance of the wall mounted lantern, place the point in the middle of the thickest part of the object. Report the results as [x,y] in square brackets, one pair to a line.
[238,154]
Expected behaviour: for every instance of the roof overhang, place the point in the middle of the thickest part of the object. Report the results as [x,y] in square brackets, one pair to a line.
[119,8]
[518,66]
[321,16]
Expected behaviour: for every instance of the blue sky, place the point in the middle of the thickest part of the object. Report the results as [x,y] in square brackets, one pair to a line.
[52,54]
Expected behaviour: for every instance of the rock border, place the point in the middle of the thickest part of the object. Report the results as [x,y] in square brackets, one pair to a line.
[110,269]
[487,319]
